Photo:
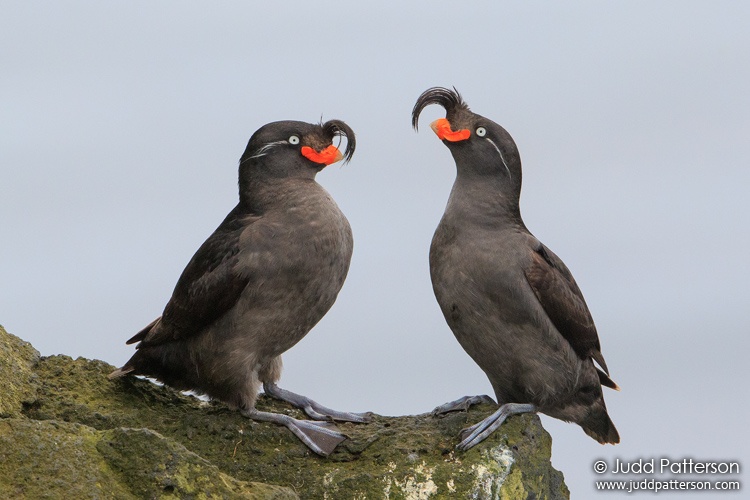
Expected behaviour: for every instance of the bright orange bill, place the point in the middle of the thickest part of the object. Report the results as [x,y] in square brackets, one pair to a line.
[329,155]
[442,128]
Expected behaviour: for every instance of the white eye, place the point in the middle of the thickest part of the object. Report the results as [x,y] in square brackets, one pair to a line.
[481,132]
[293,139]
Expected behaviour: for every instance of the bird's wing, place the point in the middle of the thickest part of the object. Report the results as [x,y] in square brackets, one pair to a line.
[563,302]
[208,287]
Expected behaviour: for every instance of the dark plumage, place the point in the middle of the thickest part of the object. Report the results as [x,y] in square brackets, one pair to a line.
[259,283]
[511,302]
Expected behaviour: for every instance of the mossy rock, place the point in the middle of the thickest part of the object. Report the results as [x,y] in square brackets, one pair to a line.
[176,439]
[18,382]
[51,459]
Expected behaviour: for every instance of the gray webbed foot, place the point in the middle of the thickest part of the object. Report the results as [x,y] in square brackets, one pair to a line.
[461,404]
[477,433]
[314,410]
[320,437]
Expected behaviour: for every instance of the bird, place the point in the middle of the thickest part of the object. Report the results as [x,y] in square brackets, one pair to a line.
[510,301]
[269,272]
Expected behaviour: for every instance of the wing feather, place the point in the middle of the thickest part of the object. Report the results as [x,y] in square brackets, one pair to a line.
[208,287]
[563,302]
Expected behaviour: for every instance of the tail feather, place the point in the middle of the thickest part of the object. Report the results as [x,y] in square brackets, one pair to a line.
[120,372]
[606,381]
[142,334]
[599,426]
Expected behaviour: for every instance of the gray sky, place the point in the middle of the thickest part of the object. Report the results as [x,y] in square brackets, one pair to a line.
[122,124]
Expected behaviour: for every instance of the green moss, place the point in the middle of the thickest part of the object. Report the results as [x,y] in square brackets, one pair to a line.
[18,380]
[152,466]
[50,459]
[53,460]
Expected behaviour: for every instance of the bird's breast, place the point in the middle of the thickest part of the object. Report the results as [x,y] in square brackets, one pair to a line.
[479,284]
[297,261]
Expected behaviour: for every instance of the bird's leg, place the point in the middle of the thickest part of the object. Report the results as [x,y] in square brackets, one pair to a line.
[479,432]
[320,437]
[461,404]
[314,410]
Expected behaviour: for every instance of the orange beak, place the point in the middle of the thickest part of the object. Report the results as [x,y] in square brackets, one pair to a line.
[442,128]
[329,155]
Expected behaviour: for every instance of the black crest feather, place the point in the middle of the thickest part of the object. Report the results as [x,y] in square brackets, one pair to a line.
[337,128]
[451,100]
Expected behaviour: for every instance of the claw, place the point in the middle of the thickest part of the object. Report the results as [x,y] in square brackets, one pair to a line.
[472,436]
[461,404]
[321,437]
[311,408]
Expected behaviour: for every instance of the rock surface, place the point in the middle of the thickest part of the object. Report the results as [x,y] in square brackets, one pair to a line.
[66,431]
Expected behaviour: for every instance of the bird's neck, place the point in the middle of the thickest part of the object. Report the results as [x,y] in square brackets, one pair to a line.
[262,194]
[487,200]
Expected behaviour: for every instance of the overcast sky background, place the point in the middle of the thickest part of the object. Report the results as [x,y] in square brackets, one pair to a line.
[122,124]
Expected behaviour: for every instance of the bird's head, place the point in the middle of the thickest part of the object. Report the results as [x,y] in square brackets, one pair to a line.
[295,149]
[478,145]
